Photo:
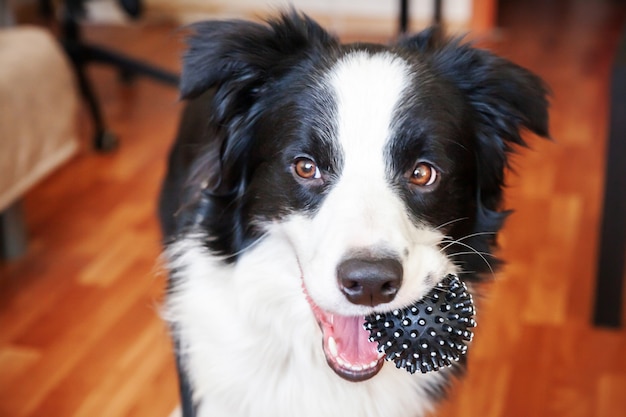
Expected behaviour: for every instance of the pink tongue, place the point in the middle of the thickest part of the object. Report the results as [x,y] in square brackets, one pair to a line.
[352,340]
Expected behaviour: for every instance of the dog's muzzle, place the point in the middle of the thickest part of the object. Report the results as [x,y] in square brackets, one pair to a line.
[347,346]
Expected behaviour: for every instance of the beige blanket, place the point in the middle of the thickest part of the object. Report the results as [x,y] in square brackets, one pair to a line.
[38,103]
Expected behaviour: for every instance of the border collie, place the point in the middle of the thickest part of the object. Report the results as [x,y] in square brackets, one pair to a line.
[313,183]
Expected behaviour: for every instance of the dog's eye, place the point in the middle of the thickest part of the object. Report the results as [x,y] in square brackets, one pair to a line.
[307,169]
[423,175]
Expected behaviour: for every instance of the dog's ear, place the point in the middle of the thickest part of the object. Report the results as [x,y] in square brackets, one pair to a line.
[244,54]
[232,64]
[505,98]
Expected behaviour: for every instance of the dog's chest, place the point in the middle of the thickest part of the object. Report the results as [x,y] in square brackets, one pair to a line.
[257,350]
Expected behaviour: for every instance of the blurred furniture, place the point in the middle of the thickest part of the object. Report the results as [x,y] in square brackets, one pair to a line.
[483,15]
[38,103]
[82,53]
[403,17]
[610,268]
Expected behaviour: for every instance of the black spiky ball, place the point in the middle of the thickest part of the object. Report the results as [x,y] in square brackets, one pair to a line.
[429,335]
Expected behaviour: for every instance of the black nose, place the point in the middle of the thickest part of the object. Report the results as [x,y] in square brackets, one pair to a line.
[368,281]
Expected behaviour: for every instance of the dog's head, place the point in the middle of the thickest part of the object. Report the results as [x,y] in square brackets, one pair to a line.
[382,166]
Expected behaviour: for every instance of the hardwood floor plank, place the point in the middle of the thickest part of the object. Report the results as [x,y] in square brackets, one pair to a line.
[14,362]
[79,328]
[611,399]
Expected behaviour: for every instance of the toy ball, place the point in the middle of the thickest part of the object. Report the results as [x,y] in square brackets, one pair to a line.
[430,334]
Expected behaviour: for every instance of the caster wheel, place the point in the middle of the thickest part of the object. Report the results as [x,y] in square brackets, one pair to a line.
[127,77]
[105,141]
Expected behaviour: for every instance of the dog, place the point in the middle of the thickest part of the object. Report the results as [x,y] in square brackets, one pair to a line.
[313,183]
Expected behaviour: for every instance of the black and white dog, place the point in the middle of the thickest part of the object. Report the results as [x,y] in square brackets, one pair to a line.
[313,183]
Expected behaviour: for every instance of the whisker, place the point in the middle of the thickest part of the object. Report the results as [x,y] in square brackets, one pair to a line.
[470,253]
[250,246]
[443,290]
[451,222]
[476,252]
[451,242]
[467,272]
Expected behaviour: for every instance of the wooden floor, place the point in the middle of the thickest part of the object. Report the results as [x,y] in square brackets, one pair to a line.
[79,327]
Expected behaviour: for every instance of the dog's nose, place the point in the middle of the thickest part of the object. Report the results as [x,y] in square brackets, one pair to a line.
[370,281]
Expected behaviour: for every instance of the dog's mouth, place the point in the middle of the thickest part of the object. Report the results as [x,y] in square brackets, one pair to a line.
[346,344]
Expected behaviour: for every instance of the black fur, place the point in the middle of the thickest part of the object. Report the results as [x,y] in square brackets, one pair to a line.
[256,102]
[504,99]
[249,88]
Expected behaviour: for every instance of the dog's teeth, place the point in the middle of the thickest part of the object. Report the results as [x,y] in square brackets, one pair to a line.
[341,362]
[332,346]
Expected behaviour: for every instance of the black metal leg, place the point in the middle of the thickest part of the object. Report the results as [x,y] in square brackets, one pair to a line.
[13,241]
[46,9]
[437,14]
[129,65]
[103,140]
[82,54]
[610,272]
[404,16]
[403,22]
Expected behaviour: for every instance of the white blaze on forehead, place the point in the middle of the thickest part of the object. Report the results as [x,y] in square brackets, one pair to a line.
[367,88]
[363,211]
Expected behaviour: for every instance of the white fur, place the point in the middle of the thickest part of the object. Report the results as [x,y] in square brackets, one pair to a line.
[252,346]
[249,339]
[362,212]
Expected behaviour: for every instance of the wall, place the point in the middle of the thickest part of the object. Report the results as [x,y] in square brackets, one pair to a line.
[373,15]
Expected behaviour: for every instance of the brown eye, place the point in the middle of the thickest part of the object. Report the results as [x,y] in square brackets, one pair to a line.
[307,169]
[423,175]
